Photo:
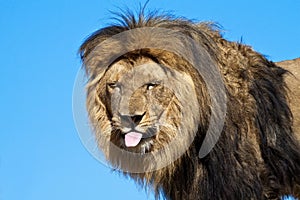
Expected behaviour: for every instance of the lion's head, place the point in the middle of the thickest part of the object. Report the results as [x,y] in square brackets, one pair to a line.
[148,107]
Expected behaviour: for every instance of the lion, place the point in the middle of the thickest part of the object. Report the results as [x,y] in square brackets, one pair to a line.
[151,109]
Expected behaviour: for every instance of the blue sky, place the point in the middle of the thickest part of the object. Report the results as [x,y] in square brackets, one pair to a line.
[41,155]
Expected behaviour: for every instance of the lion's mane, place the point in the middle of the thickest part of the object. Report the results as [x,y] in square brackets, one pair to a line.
[257,155]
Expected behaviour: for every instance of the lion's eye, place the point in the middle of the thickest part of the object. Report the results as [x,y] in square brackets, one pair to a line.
[150,86]
[113,85]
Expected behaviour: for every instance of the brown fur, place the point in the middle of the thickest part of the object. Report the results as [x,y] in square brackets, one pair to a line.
[257,155]
[293,83]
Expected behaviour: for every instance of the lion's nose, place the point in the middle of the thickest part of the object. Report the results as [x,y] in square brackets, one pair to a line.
[131,120]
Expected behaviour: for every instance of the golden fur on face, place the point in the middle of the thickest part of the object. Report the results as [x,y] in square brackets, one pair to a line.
[150,109]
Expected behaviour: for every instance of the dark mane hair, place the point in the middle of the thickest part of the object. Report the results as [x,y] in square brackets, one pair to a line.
[257,155]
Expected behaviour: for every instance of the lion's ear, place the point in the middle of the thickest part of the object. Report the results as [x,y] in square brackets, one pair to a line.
[85,51]
[98,51]
[92,41]
[89,51]
[93,67]
[95,58]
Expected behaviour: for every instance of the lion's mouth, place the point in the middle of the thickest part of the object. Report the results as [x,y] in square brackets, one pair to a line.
[132,139]
[144,140]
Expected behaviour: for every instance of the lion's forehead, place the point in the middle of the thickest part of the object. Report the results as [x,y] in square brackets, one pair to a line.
[135,74]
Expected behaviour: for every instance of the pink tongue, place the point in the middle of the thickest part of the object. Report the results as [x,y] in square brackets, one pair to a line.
[132,139]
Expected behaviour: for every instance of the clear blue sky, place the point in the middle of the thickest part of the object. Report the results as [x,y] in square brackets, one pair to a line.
[41,156]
